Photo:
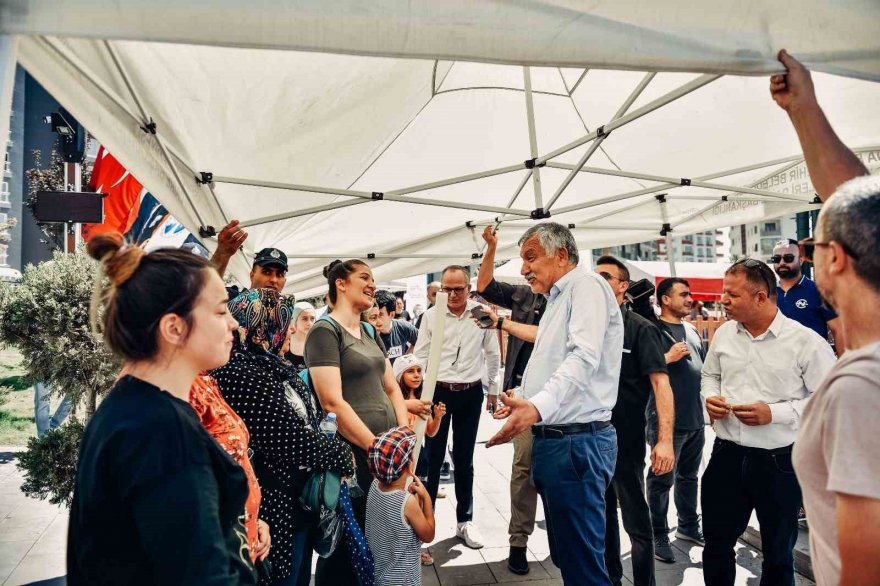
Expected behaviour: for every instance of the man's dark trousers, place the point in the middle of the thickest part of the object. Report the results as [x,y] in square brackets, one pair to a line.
[737,481]
[463,412]
[628,487]
[688,447]
[571,474]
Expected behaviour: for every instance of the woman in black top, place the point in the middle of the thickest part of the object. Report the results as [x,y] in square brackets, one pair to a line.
[156,500]
[282,415]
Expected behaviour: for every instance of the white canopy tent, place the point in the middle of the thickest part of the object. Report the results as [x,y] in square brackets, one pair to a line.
[382,131]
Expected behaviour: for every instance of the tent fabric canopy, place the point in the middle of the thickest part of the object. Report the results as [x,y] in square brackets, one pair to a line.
[403,160]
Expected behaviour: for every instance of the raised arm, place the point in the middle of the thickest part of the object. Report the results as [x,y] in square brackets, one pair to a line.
[487,266]
[229,240]
[829,161]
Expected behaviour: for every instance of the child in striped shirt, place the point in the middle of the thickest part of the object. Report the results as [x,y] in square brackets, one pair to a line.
[399,519]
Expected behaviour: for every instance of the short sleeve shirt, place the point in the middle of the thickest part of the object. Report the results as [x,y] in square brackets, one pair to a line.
[643,354]
[362,366]
[400,340]
[836,451]
[803,304]
[684,377]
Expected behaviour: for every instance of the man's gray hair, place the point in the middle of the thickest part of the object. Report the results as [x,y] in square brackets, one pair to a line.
[852,217]
[552,237]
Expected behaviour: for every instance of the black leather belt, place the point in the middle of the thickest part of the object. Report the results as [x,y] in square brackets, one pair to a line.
[557,431]
[458,386]
[756,451]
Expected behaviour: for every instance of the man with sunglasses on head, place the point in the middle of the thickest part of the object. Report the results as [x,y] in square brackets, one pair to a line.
[798,297]
[467,351]
[758,376]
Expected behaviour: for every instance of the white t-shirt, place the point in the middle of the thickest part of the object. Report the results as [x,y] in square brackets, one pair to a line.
[836,451]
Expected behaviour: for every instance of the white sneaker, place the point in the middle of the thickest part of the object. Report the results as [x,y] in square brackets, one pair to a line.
[469,533]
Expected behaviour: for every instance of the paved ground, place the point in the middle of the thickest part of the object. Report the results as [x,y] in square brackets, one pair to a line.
[33,536]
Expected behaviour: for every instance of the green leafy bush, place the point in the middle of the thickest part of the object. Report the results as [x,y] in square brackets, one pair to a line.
[46,317]
[50,464]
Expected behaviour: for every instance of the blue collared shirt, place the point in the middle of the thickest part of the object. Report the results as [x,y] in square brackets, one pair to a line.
[575,367]
[803,304]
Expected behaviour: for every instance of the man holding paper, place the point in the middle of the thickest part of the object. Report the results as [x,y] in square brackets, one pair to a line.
[467,352]
[568,391]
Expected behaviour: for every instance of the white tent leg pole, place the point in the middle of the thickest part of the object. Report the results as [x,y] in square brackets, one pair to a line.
[533,137]
[684,90]
[438,327]
[633,96]
[8,45]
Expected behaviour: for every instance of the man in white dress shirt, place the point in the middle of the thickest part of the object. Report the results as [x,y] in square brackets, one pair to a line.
[758,375]
[468,351]
[568,390]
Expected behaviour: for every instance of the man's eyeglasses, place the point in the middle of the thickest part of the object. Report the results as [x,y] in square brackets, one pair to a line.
[808,246]
[761,269]
[607,276]
[776,258]
[454,290]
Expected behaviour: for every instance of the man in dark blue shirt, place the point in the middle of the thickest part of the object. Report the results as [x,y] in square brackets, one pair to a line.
[798,297]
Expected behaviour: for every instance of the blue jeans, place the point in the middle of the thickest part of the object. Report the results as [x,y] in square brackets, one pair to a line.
[42,409]
[688,448]
[737,481]
[572,474]
[301,566]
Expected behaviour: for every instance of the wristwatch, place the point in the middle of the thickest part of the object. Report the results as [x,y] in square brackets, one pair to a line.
[499,323]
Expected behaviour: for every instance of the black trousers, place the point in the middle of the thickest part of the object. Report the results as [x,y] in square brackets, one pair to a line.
[463,414]
[737,481]
[628,487]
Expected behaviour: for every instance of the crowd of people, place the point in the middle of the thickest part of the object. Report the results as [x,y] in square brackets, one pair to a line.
[200,464]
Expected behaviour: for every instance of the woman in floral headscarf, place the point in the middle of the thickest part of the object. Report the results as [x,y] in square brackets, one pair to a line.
[282,415]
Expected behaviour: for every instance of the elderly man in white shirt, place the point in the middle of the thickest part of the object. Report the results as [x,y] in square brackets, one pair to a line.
[468,352]
[568,391]
[758,375]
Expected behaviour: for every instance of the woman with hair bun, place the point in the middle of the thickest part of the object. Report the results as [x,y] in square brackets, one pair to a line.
[156,500]
[354,379]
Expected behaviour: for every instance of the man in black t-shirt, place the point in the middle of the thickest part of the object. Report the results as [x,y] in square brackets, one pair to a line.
[398,336]
[526,308]
[643,372]
[684,358]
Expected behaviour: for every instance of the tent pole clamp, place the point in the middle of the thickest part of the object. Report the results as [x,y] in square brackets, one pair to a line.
[378,196]
[205,178]
[666,229]
[540,214]
[532,163]
[149,127]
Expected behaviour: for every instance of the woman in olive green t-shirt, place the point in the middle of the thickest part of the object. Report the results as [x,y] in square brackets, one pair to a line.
[354,380]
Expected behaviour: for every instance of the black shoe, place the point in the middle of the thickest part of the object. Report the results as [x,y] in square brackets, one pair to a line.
[663,550]
[517,562]
[444,471]
[692,535]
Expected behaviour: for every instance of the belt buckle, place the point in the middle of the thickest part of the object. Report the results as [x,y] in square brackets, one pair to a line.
[551,433]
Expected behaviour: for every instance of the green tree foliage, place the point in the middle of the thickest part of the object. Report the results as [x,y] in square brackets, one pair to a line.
[46,317]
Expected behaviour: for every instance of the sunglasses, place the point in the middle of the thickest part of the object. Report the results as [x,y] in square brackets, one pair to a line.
[756,265]
[808,246]
[776,258]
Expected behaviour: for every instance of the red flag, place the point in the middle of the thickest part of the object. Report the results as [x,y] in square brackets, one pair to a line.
[123,199]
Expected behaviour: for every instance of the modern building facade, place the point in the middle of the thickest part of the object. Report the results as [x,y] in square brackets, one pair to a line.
[700,247]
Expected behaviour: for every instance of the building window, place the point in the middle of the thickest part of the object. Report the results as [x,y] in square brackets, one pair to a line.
[4,192]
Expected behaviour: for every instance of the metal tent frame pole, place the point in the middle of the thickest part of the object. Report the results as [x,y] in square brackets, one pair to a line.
[533,138]
[633,96]
[682,91]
